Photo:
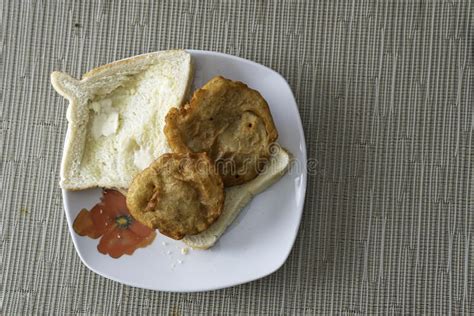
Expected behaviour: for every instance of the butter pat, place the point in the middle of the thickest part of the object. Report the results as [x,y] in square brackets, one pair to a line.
[105,124]
[105,121]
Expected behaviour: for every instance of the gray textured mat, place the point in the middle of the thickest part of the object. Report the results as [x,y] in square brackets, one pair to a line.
[385,91]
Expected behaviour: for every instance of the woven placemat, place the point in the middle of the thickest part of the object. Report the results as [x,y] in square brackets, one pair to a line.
[385,92]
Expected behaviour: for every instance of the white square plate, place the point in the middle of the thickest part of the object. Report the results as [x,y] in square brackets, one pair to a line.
[259,240]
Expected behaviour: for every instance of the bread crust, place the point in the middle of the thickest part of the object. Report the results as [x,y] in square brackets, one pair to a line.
[179,194]
[230,122]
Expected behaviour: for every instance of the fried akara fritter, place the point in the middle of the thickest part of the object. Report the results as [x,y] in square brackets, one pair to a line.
[230,122]
[180,194]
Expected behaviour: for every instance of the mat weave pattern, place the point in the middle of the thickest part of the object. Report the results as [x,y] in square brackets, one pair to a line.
[385,93]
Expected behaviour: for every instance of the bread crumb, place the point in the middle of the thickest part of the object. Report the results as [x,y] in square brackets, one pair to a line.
[184,250]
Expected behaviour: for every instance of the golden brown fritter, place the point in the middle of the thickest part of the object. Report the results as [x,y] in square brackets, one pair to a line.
[229,121]
[180,194]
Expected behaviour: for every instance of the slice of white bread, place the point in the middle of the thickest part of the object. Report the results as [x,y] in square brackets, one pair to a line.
[237,197]
[116,117]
